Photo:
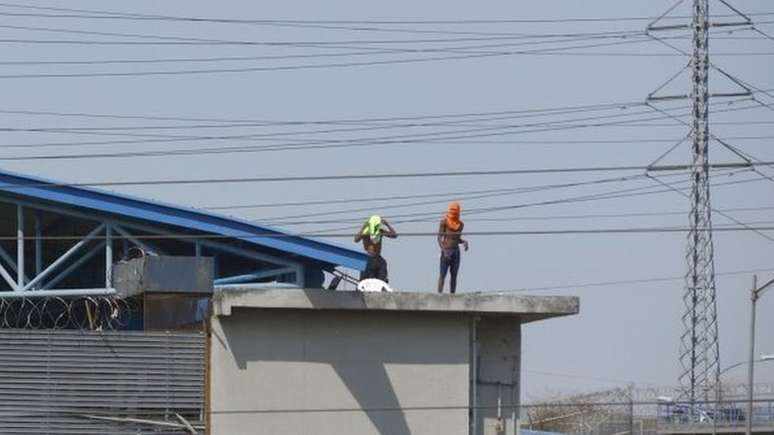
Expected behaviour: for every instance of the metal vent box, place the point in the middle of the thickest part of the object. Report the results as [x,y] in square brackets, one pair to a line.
[164,274]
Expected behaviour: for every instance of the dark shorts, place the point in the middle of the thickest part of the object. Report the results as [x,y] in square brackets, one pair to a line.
[450,260]
[376,267]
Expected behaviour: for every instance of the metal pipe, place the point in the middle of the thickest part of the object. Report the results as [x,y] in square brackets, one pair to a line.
[38,243]
[19,248]
[474,376]
[108,257]
[248,277]
[753,299]
[64,292]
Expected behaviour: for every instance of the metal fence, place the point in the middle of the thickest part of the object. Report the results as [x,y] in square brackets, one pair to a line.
[653,416]
[725,413]
[90,382]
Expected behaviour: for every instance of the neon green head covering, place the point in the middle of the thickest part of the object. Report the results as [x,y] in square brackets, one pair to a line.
[373,228]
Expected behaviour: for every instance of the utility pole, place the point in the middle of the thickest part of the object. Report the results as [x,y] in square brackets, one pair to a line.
[755,294]
[753,299]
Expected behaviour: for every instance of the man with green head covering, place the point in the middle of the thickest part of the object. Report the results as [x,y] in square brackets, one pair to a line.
[371,234]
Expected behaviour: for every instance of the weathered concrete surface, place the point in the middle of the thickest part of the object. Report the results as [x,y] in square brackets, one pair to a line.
[299,372]
[527,308]
[498,375]
[318,362]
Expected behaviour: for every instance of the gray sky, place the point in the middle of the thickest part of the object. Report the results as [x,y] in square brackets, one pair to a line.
[625,333]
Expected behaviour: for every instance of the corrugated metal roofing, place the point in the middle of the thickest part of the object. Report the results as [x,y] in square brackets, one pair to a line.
[89,382]
[189,218]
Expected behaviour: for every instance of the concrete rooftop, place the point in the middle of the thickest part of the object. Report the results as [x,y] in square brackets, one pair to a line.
[526,308]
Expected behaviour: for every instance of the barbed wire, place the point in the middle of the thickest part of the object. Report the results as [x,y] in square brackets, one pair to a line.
[79,312]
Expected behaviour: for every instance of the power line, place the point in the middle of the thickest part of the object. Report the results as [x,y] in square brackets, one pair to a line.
[396,175]
[545,51]
[600,106]
[415,121]
[179,40]
[306,144]
[270,221]
[138,16]
[277,235]
[616,194]
[508,192]
[622,282]
[446,120]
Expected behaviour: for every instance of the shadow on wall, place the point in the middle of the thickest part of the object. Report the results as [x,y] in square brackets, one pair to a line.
[358,347]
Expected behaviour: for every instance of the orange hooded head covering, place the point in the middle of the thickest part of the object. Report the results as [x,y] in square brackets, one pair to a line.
[453,221]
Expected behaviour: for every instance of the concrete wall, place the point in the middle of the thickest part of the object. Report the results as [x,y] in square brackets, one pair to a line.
[349,371]
[498,375]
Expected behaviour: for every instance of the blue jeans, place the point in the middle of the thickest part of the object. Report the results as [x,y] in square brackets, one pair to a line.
[450,261]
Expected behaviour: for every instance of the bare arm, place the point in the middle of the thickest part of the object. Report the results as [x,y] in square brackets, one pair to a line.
[463,242]
[359,234]
[389,232]
[441,231]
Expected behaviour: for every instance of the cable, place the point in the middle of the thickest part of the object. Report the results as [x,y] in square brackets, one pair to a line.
[426,121]
[600,106]
[277,235]
[315,44]
[621,282]
[508,192]
[548,51]
[138,16]
[616,194]
[543,218]
[351,200]
[396,175]
[306,144]
[610,215]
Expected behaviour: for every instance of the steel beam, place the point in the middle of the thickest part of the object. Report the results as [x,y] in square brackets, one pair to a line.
[152,230]
[54,293]
[247,253]
[38,244]
[11,262]
[122,228]
[76,264]
[8,278]
[248,277]
[127,236]
[64,256]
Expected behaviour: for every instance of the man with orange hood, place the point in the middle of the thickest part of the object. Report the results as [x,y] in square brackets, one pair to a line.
[449,240]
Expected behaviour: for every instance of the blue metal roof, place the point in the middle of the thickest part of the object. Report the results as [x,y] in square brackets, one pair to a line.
[184,217]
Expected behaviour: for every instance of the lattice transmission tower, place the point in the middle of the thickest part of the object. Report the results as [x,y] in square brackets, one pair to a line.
[699,346]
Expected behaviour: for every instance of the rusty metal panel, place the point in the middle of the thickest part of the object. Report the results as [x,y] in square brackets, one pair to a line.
[99,382]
